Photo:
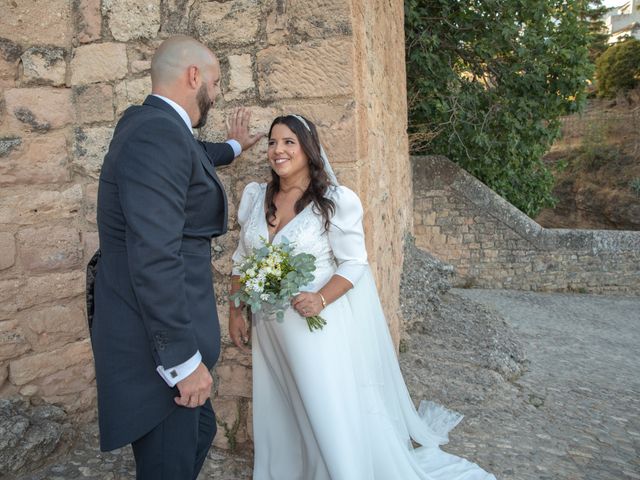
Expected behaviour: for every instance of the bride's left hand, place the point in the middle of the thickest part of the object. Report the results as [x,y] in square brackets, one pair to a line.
[307,304]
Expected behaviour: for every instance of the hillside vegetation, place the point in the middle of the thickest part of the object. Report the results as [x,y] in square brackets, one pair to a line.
[596,164]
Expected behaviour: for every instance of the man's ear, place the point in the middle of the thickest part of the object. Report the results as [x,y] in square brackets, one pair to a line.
[193,73]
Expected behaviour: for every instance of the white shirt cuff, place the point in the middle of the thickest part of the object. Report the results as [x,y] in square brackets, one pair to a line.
[237,148]
[175,374]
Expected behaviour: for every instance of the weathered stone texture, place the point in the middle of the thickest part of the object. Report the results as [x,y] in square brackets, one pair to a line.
[309,70]
[30,434]
[9,56]
[235,380]
[299,21]
[94,103]
[38,159]
[228,420]
[175,15]
[18,294]
[240,76]
[9,289]
[12,340]
[49,249]
[89,25]
[90,243]
[44,65]
[382,146]
[38,365]
[38,109]
[140,55]
[7,250]
[53,327]
[72,380]
[27,208]
[26,21]
[90,202]
[132,19]
[235,22]
[101,62]
[90,147]
[131,92]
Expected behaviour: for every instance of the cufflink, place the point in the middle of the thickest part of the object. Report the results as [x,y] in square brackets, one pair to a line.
[173,374]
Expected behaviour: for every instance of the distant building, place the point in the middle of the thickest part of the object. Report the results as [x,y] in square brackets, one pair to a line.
[623,21]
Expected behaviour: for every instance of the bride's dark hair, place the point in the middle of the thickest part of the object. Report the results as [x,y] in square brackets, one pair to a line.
[319,183]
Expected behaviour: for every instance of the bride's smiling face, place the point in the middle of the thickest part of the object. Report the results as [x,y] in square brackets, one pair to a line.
[285,153]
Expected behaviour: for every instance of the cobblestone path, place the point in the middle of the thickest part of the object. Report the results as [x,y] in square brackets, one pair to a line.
[573,415]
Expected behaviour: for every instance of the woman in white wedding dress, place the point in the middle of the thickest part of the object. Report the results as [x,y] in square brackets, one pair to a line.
[329,404]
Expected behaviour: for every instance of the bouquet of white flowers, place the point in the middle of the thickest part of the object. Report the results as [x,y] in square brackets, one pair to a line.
[272,275]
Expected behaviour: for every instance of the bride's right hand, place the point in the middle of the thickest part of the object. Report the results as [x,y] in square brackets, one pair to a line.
[238,330]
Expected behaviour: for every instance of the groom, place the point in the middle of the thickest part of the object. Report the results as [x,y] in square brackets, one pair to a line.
[155,331]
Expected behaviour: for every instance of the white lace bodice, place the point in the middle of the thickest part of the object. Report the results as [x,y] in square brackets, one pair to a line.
[340,250]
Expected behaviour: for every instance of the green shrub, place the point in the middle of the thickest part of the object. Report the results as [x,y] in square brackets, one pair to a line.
[618,68]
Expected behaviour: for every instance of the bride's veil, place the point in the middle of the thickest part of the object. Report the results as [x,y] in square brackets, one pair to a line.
[383,393]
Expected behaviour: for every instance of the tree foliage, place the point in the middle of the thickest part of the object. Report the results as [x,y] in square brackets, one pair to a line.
[598,34]
[618,68]
[487,82]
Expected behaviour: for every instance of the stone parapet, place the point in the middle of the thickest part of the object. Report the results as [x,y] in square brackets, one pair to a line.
[492,244]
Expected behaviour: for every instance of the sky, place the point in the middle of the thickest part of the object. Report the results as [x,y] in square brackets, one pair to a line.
[614,3]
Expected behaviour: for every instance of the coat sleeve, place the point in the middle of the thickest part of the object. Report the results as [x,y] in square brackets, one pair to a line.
[346,235]
[153,179]
[220,154]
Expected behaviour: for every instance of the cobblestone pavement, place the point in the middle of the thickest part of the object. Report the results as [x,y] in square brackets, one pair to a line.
[573,415]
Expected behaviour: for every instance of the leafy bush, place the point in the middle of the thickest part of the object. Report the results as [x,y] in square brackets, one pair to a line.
[487,81]
[618,68]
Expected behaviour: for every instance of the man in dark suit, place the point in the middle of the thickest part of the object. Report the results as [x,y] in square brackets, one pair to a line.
[155,330]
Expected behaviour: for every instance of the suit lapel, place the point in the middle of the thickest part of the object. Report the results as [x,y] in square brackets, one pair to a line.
[208,166]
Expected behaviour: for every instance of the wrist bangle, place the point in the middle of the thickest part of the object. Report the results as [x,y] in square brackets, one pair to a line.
[324,302]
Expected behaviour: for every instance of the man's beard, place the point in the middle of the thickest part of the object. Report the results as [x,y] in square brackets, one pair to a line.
[204,104]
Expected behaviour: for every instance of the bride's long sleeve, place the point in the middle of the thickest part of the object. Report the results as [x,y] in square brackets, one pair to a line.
[346,235]
[251,191]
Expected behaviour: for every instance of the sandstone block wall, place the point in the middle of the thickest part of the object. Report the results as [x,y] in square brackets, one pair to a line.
[494,245]
[66,77]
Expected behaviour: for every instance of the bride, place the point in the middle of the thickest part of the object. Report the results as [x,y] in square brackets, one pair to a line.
[329,404]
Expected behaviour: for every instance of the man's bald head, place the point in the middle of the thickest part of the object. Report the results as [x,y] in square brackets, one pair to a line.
[187,72]
[174,56]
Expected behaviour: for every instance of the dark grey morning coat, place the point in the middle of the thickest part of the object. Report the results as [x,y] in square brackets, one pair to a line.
[159,204]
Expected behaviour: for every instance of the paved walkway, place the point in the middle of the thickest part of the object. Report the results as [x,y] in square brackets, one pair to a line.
[573,415]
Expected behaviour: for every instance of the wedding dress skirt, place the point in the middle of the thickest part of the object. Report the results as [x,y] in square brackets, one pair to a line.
[332,404]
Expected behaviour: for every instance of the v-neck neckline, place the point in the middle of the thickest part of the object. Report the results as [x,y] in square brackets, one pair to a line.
[266,225]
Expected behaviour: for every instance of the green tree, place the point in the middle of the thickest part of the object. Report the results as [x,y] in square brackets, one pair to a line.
[618,68]
[487,81]
[598,34]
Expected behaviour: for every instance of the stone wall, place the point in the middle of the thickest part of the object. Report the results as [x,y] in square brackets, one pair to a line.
[494,245]
[65,78]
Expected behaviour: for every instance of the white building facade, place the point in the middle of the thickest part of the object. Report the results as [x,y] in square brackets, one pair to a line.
[623,21]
